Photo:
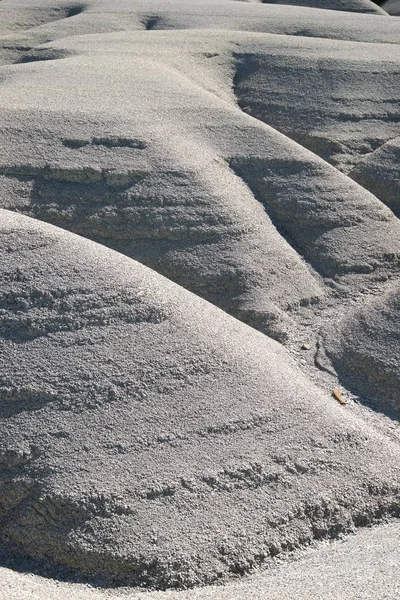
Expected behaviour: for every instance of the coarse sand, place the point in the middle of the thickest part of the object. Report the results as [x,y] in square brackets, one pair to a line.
[199,300]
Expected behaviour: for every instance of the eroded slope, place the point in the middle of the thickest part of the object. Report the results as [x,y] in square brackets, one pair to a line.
[362,6]
[147,437]
[365,349]
[379,173]
[187,183]
[339,99]
[27,23]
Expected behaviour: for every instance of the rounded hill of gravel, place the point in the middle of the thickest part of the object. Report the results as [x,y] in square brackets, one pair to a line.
[149,438]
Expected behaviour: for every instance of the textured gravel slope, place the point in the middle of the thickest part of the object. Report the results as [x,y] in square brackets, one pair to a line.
[392,7]
[200,241]
[378,173]
[362,6]
[135,413]
[364,566]
[190,185]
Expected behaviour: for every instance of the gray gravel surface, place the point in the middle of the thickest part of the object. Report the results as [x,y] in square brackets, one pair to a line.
[200,243]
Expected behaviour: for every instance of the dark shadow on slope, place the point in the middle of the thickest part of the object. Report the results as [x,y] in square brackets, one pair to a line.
[378,404]
[14,53]
[37,16]
[286,190]
[75,10]
[378,173]
[107,142]
[330,123]
[43,55]
[151,23]
[358,6]
[365,352]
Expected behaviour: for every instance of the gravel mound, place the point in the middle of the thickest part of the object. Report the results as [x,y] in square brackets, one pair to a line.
[148,438]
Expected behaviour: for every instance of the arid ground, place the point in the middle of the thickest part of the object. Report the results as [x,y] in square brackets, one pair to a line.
[199,300]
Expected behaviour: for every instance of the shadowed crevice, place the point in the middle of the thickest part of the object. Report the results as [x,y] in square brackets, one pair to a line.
[151,23]
[73,11]
[43,55]
[107,142]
